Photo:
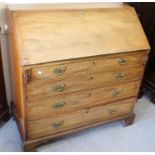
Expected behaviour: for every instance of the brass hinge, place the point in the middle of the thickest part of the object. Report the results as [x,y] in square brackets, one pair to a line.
[27,75]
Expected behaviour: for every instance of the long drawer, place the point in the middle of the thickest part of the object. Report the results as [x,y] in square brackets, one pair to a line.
[73,84]
[79,118]
[60,70]
[52,106]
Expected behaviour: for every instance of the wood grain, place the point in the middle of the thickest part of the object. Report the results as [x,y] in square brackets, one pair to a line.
[18,95]
[44,108]
[47,72]
[74,34]
[84,82]
[88,42]
[79,118]
[31,144]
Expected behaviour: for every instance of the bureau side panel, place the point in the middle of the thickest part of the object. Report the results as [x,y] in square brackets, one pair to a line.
[16,76]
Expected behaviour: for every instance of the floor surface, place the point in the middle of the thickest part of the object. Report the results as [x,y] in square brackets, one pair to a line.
[108,137]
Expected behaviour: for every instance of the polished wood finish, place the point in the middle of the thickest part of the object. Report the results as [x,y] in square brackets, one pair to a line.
[74,68]
[4,109]
[74,84]
[31,145]
[81,33]
[52,106]
[56,124]
[39,74]
[16,77]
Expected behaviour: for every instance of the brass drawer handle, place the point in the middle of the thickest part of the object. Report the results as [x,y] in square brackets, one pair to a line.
[113,111]
[116,92]
[58,105]
[119,75]
[60,70]
[123,61]
[57,124]
[59,87]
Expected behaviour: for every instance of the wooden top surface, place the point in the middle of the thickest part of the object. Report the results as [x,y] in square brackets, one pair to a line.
[59,34]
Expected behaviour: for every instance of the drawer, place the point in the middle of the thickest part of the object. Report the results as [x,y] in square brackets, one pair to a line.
[79,118]
[61,70]
[43,108]
[73,84]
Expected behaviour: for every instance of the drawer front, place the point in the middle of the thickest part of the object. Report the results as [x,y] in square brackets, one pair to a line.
[79,118]
[39,109]
[72,68]
[83,82]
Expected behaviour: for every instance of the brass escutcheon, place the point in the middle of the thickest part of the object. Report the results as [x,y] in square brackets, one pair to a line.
[119,75]
[59,87]
[113,111]
[58,105]
[57,124]
[60,70]
[116,92]
[123,61]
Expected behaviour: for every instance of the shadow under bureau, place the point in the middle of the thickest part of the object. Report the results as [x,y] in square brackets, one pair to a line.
[74,66]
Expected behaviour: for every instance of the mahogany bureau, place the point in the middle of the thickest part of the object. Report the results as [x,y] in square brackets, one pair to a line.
[74,67]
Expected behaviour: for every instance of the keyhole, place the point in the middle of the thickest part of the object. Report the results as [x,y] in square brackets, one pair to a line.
[91,77]
[93,63]
[89,94]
